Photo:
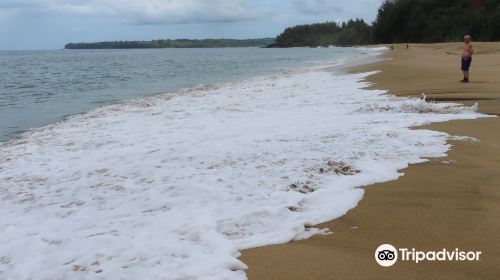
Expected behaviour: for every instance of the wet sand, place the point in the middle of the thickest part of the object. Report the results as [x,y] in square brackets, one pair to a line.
[451,202]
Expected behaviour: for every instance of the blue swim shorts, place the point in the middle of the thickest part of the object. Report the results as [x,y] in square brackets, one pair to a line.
[466,62]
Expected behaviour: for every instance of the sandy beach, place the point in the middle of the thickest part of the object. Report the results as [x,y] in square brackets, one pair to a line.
[451,202]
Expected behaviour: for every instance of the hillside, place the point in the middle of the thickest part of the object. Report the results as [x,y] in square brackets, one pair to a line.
[353,32]
[180,43]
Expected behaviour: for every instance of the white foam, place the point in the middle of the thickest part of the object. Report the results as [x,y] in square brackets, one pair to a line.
[373,50]
[173,187]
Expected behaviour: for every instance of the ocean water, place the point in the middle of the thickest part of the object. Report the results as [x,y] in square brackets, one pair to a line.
[173,186]
[42,87]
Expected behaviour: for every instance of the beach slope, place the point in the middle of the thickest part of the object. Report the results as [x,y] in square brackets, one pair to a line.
[451,202]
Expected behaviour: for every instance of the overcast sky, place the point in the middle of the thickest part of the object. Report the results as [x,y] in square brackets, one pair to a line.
[49,24]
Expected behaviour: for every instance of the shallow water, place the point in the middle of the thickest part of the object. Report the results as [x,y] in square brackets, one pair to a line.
[41,87]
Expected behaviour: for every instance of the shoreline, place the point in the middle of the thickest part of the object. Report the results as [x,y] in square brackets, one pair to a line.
[450,202]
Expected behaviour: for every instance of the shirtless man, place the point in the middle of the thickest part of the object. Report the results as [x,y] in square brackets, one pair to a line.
[467,58]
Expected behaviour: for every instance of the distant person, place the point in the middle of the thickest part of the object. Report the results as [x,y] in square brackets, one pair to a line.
[467,58]
[392,48]
[407,46]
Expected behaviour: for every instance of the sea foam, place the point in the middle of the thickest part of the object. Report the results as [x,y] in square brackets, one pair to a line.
[174,186]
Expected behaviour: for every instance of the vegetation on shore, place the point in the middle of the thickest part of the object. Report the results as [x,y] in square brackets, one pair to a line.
[180,43]
[404,21]
[353,32]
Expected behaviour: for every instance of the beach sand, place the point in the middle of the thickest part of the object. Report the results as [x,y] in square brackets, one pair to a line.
[451,202]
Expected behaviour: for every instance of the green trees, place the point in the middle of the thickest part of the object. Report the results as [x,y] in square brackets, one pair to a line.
[181,43]
[429,21]
[306,35]
[353,32]
[404,21]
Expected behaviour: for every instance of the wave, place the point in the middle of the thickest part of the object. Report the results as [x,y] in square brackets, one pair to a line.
[174,186]
[394,104]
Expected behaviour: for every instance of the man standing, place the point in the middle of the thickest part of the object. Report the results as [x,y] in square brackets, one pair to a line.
[467,58]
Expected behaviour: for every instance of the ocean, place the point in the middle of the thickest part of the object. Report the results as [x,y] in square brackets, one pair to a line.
[165,164]
[42,87]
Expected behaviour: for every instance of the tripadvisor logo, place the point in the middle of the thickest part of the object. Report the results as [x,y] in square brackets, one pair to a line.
[387,255]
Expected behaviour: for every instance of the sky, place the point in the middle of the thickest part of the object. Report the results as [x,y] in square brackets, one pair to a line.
[50,24]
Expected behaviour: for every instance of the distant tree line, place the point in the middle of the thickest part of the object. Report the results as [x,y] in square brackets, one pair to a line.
[180,43]
[404,21]
[353,32]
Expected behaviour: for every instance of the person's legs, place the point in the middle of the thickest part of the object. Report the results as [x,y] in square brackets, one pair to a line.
[465,69]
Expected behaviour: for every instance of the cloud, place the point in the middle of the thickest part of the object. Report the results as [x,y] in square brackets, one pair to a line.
[143,11]
[316,7]
[339,8]
[197,11]
[187,11]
